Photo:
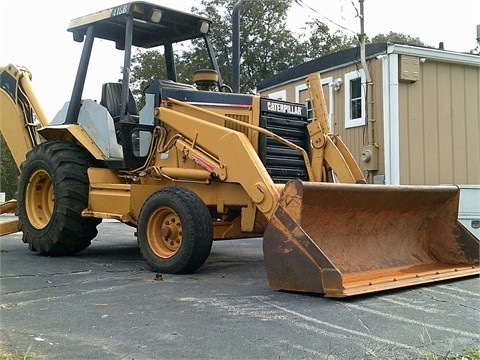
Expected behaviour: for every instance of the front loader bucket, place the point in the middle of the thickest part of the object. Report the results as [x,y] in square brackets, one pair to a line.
[348,239]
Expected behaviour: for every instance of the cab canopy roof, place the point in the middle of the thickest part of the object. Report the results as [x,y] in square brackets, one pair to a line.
[153,25]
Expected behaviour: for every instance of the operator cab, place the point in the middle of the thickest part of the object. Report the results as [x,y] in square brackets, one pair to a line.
[133,25]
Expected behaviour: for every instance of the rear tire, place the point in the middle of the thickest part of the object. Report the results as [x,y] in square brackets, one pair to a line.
[52,192]
[175,231]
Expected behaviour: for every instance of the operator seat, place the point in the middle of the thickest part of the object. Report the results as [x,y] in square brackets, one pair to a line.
[111,99]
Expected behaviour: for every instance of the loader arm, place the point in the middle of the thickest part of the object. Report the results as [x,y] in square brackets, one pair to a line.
[329,152]
[213,140]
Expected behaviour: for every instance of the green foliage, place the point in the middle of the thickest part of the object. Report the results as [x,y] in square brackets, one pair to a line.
[266,44]
[9,356]
[8,171]
[322,42]
[397,38]
[146,66]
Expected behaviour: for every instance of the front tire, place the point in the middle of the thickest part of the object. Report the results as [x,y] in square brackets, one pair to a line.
[53,191]
[175,231]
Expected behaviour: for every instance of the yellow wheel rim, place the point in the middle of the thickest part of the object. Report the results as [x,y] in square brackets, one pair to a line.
[39,199]
[164,232]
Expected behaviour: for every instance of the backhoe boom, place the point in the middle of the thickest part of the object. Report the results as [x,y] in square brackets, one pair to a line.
[21,111]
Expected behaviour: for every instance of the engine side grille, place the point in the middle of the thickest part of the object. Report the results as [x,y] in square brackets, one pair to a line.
[289,121]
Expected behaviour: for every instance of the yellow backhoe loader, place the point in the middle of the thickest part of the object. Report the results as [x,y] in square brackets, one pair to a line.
[200,163]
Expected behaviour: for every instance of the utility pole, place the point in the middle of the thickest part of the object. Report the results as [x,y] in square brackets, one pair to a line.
[362,43]
[370,150]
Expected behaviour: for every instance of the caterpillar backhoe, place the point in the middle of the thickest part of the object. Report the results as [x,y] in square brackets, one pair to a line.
[200,163]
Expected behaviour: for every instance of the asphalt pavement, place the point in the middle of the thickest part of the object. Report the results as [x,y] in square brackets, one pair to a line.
[105,303]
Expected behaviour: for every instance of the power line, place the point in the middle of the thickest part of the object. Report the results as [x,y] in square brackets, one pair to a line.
[302,4]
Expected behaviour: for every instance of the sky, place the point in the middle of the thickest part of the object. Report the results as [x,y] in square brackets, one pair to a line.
[34,34]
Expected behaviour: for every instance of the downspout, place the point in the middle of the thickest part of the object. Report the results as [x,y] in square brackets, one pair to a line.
[391,127]
[236,46]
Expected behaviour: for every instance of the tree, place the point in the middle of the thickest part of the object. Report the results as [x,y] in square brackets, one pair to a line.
[150,65]
[146,66]
[8,170]
[322,42]
[398,38]
[267,45]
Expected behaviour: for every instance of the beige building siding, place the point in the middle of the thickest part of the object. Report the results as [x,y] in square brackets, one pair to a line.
[376,74]
[439,125]
[356,138]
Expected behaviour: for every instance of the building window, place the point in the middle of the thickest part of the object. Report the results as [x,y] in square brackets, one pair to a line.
[278,95]
[355,99]
[330,106]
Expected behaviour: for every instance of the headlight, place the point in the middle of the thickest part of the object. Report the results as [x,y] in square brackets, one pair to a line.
[204,27]
[156,16]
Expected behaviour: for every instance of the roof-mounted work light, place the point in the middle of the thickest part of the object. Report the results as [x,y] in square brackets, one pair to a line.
[156,16]
[204,27]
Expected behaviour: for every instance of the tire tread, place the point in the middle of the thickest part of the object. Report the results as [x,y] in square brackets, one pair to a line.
[68,232]
[197,248]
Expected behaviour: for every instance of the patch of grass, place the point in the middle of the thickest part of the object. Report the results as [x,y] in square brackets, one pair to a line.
[473,354]
[11,357]
[6,355]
